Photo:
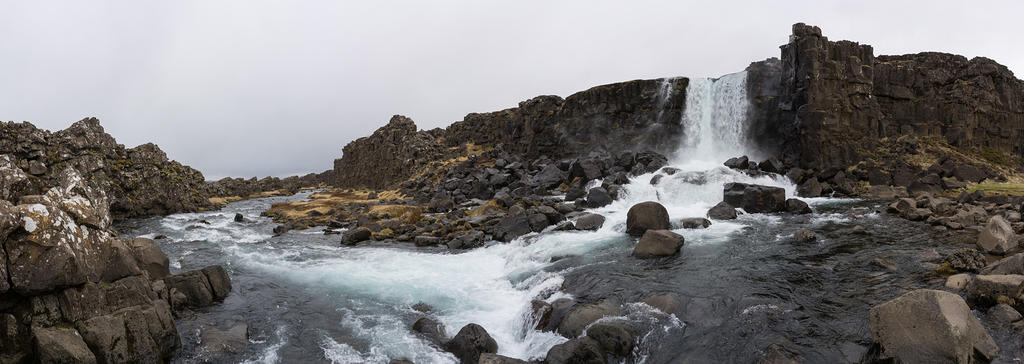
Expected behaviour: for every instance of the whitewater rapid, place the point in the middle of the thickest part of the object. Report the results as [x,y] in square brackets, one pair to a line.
[371,289]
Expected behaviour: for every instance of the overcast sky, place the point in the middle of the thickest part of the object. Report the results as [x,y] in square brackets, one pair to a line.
[244,88]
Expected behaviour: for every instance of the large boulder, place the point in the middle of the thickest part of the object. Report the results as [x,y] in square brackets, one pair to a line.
[722,211]
[930,326]
[988,290]
[755,198]
[201,288]
[997,237]
[589,222]
[658,243]
[797,206]
[355,236]
[580,316]
[645,216]
[614,337]
[516,223]
[584,350]
[598,197]
[471,341]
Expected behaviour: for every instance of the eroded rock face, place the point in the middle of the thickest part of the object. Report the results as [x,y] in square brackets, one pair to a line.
[77,292]
[929,326]
[840,88]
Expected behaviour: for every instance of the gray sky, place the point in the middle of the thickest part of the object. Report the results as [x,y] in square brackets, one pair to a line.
[243,88]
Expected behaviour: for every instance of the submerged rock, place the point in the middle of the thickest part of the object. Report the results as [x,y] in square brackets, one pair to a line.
[230,341]
[804,236]
[665,303]
[658,243]
[694,223]
[645,216]
[929,326]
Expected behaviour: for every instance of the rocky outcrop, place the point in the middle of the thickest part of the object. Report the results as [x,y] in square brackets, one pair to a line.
[837,100]
[610,119]
[72,290]
[139,181]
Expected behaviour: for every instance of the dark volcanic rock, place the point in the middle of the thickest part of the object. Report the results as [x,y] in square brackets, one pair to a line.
[722,211]
[614,337]
[694,223]
[589,222]
[598,197]
[580,316]
[432,330]
[646,216]
[797,206]
[584,350]
[845,100]
[658,243]
[356,235]
[471,341]
[755,198]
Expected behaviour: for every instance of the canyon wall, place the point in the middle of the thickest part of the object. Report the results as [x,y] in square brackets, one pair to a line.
[837,100]
[635,116]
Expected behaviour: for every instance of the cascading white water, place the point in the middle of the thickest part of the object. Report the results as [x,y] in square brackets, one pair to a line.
[491,286]
[714,121]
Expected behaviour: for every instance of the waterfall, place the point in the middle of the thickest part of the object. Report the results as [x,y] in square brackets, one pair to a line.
[714,121]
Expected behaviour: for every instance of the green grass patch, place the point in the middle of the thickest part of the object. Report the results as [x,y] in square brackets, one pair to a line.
[1014,189]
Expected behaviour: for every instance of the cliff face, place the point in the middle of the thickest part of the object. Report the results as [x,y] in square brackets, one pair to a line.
[629,116]
[843,100]
[139,181]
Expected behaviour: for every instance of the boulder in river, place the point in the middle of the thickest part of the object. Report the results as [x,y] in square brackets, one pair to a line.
[722,211]
[584,350]
[432,330]
[997,237]
[658,243]
[930,326]
[645,216]
[589,222]
[737,162]
[598,197]
[355,236]
[201,287]
[614,337]
[1003,313]
[239,217]
[580,316]
[797,206]
[755,198]
[471,341]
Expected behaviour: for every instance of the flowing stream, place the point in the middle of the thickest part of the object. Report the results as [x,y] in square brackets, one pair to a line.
[743,284]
